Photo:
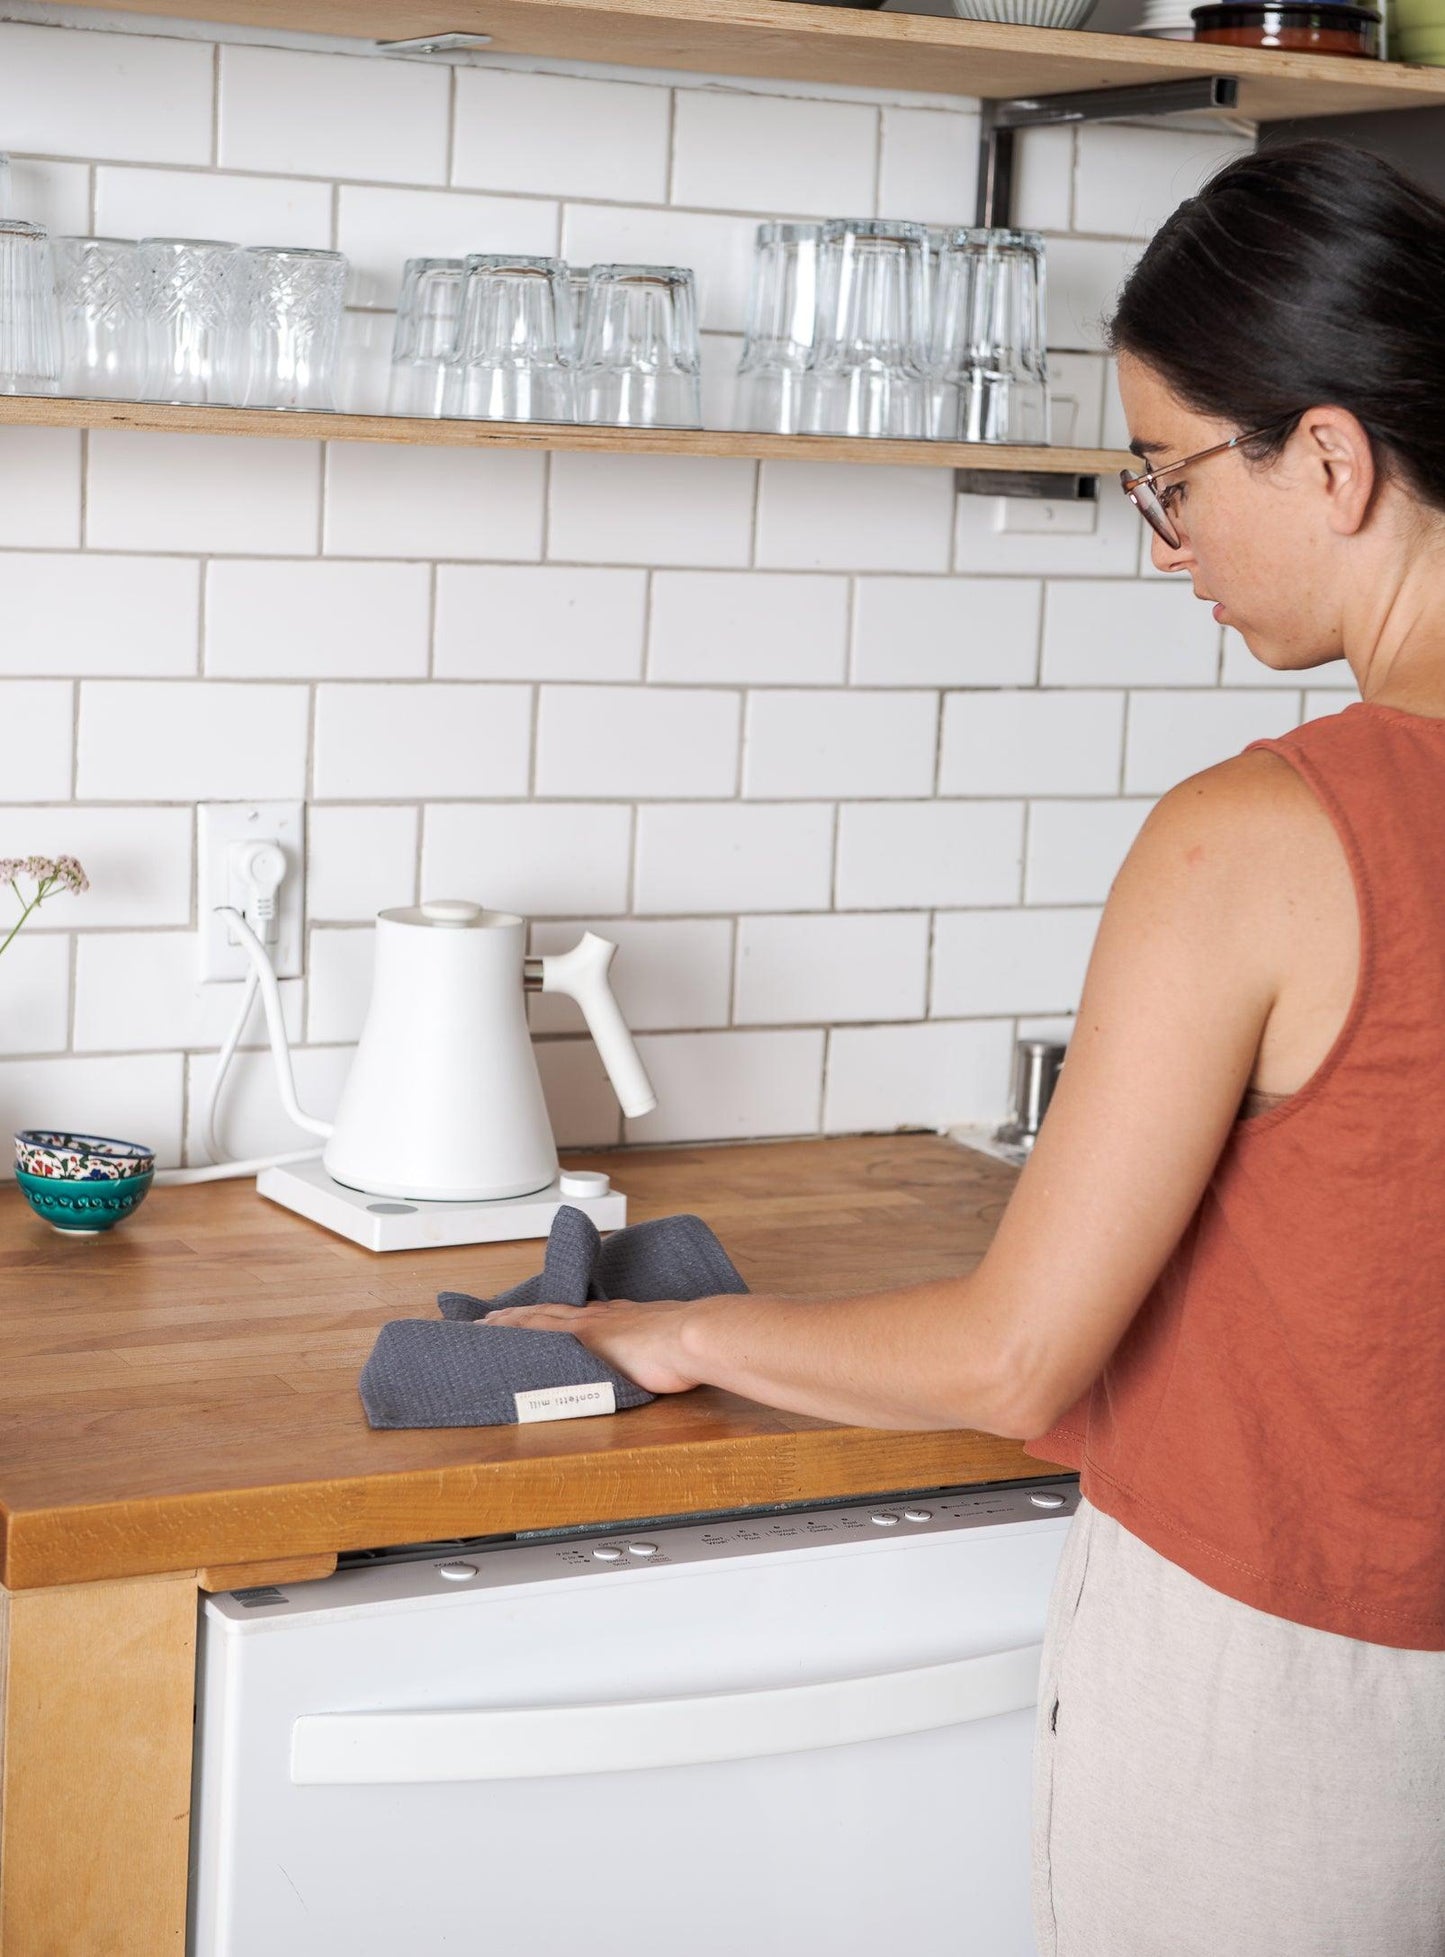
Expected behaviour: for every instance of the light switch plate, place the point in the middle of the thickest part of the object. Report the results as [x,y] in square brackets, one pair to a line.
[221,825]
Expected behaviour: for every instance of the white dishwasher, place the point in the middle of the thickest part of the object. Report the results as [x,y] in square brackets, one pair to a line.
[794,1731]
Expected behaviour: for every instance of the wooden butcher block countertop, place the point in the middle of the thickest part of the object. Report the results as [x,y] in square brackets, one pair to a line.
[181,1393]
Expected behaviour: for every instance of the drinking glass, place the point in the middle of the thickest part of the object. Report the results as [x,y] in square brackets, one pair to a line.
[186,300]
[30,353]
[95,282]
[287,326]
[781,326]
[513,356]
[578,278]
[867,372]
[996,372]
[639,365]
[427,317]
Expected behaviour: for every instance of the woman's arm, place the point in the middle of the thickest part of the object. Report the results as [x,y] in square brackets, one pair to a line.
[1184,973]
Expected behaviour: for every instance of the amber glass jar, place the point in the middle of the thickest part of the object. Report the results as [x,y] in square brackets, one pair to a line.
[1322,28]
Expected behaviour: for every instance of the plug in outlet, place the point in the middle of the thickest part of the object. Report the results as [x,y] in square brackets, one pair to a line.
[253,856]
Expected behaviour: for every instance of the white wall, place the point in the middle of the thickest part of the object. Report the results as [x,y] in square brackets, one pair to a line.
[846,766]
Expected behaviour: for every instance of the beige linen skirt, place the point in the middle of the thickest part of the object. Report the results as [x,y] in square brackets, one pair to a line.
[1213,1781]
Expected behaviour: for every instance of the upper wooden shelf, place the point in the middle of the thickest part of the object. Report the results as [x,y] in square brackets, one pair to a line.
[795,42]
[50,411]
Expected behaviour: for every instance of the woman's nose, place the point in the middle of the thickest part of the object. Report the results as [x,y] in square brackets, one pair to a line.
[1169,557]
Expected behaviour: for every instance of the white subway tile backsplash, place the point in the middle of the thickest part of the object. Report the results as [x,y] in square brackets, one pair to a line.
[1129,179]
[1084,279]
[385,501]
[668,973]
[546,134]
[580,1102]
[338,984]
[929,166]
[1075,848]
[317,620]
[142,991]
[728,1086]
[380,229]
[37,992]
[830,516]
[1172,735]
[135,1098]
[39,488]
[737,856]
[945,632]
[127,96]
[191,741]
[650,509]
[138,862]
[1027,743]
[773,154]
[360,861]
[1043,178]
[210,204]
[927,854]
[806,745]
[1323,701]
[936,1075]
[37,723]
[542,859]
[1126,633]
[546,622]
[91,614]
[402,742]
[719,250]
[807,970]
[56,195]
[748,628]
[1010,961]
[326,115]
[220,494]
[636,741]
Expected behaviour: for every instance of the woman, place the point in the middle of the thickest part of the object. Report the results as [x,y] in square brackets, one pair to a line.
[1219,1286]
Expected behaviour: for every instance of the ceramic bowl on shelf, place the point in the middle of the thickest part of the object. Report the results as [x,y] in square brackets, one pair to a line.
[83,1208]
[1026,13]
[63,1156]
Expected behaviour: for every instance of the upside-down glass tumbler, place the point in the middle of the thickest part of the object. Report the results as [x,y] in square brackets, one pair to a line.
[30,354]
[428,315]
[639,362]
[781,326]
[288,326]
[867,372]
[513,357]
[1001,390]
[100,322]
[186,300]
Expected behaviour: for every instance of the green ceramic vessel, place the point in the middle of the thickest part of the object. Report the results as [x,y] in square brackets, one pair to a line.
[83,1207]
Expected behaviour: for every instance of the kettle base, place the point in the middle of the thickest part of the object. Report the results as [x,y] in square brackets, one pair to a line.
[383,1223]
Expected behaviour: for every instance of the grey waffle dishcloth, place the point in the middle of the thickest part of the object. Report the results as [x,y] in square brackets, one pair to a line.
[424,1374]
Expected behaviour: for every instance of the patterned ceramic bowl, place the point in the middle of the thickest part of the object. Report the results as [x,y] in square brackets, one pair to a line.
[83,1208]
[80,1158]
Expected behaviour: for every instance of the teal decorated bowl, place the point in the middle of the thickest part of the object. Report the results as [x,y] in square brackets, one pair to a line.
[83,1207]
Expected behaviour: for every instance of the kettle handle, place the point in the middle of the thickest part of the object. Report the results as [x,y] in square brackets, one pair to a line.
[582,974]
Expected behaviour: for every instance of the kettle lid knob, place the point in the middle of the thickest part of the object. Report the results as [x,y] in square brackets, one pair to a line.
[451,910]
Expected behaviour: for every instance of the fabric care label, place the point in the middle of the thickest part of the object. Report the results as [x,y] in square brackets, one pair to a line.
[566,1402]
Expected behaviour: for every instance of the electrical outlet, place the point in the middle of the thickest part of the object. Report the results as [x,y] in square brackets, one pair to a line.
[225,829]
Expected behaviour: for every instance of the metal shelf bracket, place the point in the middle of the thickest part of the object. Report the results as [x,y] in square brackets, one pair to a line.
[1049,485]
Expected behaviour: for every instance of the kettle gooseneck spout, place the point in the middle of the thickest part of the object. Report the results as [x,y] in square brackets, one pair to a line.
[275,1024]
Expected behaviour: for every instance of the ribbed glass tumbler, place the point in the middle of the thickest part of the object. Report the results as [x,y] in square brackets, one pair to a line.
[639,365]
[993,366]
[424,344]
[30,350]
[514,347]
[781,326]
[867,373]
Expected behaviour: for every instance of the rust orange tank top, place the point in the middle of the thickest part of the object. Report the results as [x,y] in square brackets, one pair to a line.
[1273,1420]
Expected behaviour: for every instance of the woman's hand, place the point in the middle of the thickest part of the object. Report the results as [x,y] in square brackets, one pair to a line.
[642,1341]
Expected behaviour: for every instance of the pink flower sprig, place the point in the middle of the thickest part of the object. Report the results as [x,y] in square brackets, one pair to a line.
[48,874]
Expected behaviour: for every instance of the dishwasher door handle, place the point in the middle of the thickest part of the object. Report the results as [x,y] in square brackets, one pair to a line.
[360,1749]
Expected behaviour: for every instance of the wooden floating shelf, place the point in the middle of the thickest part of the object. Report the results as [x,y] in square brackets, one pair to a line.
[787,41]
[51,411]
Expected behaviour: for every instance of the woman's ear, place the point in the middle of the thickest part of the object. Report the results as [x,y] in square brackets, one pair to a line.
[1336,453]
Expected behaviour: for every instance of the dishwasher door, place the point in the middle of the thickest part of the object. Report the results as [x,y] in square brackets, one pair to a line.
[766,1735]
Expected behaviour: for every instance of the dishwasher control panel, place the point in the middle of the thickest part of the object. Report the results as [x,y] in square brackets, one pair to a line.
[456,1569]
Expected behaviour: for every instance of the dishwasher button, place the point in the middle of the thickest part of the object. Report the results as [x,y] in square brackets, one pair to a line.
[643,1549]
[884,1521]
[607,1554]
[1047,1501]
[918,1515]
[456,1572]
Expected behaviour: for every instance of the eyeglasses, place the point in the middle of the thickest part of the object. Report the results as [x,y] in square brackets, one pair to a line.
[1141,493]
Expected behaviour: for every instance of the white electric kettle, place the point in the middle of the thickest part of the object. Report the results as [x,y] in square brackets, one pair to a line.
[443,1102]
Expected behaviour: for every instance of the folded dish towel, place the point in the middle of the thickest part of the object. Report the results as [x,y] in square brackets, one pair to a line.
[450,1374]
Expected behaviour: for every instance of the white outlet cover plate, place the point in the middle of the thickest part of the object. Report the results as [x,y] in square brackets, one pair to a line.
[221,825]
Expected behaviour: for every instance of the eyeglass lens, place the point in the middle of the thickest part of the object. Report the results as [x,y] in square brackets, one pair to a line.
[1142,495]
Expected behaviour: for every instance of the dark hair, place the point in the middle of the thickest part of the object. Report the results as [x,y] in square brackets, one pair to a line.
[1305,276]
